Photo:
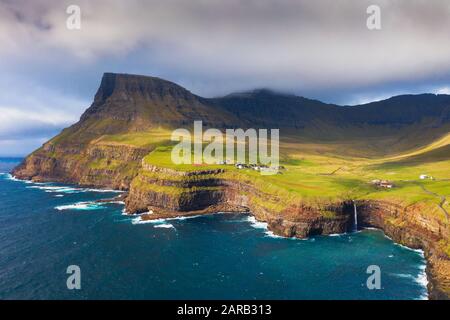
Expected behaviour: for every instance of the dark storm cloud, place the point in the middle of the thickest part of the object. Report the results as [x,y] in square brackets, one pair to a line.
[320,49]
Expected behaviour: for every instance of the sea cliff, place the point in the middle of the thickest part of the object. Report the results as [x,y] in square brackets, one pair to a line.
[331,153]
[183,193]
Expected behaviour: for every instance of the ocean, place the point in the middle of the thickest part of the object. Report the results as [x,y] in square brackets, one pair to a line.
[45,228]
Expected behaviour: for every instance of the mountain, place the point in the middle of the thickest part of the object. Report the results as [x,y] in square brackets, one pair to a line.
[330,154]
[136,103]
[269,108]
[130,104]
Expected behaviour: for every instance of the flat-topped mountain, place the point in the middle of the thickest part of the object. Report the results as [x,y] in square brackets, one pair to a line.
[133,103]
[330,154]
[129,104]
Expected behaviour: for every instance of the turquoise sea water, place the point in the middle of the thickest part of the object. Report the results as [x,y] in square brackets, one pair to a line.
[44,228]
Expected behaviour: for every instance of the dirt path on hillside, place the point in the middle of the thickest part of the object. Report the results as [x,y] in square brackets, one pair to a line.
[441,203]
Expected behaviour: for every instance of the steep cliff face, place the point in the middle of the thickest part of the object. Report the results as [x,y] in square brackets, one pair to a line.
[177,193]
[105,166]
[139,102]
[407,225]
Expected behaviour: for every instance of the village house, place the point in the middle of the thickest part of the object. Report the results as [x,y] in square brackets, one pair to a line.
[383,183]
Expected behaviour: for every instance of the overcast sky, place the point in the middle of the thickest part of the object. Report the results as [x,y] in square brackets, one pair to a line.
[320,49]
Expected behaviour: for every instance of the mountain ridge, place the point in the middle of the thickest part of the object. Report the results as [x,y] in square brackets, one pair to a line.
[127,103]
[164,102]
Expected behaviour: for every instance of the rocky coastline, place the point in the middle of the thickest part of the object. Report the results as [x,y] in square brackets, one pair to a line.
[108,146]
[205,192]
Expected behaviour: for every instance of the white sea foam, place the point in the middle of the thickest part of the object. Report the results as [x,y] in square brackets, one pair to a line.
[404,275]
[80,206]
[125,213]
[9,176]
[154,221]
[165,225]
[264,225]
[13,178]
[67,189]
[422,279]
[101,190]
[181,218]
[159,223]
[418,251]
[270,234]
[138,220]
[44,186]
[184,218]
[59,189]
[114,202]
[257,224]
[85,205]
[336,234]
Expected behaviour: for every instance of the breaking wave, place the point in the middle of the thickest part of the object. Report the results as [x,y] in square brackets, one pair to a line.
[158,223]
[257,224]
[420,279]
[81,206]
[138,220]
[59,189]
[161,221]
[263,225]
[165,225]
[66,189]
[9,176]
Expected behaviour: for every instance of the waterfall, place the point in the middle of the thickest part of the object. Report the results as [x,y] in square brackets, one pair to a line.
[355,216]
